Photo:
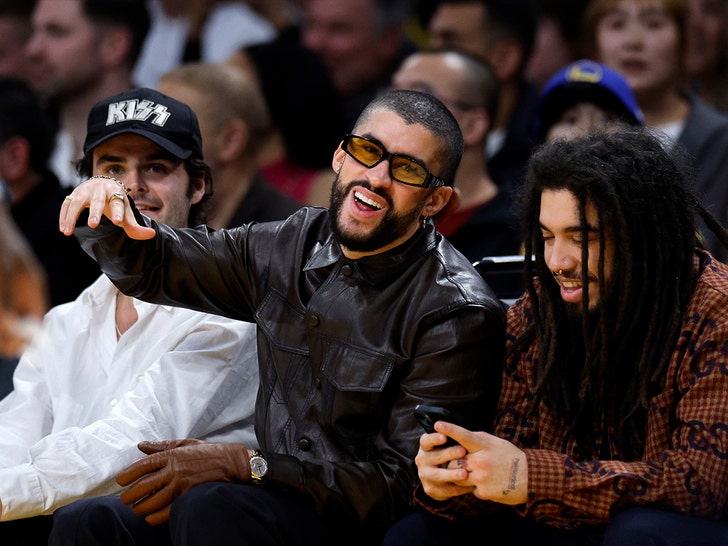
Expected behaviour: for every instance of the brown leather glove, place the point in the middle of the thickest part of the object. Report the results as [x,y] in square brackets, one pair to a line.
[173,468]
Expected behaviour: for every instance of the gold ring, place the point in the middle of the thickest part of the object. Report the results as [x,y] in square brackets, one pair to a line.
[119,196]
[558,273]
[68,198]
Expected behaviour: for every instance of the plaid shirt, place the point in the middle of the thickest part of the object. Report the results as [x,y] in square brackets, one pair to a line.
[685,462]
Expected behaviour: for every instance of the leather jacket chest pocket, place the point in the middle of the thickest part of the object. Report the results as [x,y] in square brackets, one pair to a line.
[355,396]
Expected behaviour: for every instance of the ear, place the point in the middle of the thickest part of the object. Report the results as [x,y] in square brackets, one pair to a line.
[452,205]
[115,45]
[338,159]
[14,158]
[198,190]
[232,140]
[506,59]
[438,200]
[474,124]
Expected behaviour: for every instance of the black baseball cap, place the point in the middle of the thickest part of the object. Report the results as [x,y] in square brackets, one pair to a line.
[163,120]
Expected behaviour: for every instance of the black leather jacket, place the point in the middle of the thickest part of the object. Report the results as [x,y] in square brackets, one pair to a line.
[346,348]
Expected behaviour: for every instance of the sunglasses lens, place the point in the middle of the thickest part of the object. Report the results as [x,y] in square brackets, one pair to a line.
[401,168]
[407,171]
[365,152]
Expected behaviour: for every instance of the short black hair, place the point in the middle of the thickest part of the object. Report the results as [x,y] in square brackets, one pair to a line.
[17,8]
[132,14]
[22,115]
[518,18]
[415,107]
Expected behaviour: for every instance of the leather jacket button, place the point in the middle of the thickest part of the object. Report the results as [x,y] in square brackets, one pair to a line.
[304,444]
[347,270]
[317,383]
[313,321]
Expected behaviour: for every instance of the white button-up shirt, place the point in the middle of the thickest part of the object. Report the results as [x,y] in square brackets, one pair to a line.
[82,400]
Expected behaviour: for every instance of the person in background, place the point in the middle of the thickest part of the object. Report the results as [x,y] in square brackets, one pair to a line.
[108,371]
[26,141]
[706,57]
[283,15]
[234,121]
[307,116]
[610,425]
[582,98]
[501,32]
[483,223]
[15,30]
[82,51]
[646,42]
[361,43]
[23,296]
[363,312]
[557,41]
[184,31]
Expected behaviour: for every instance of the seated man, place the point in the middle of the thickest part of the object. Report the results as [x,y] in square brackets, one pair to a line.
[364,311]
[483,223]
[612,416]
[109,371]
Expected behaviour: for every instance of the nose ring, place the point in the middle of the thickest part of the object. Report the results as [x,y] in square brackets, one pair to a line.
[559,273]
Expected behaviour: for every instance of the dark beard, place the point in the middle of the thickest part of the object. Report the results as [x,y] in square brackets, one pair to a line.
[392,227]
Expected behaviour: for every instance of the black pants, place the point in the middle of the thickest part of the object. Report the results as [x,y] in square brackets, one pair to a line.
[26,532]
[213,514]
[651,527]
[506,528]
[631,527]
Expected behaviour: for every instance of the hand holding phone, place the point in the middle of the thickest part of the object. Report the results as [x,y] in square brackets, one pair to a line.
[429,415]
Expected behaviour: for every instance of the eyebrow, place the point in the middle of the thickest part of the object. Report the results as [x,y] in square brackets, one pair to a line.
[573,229]
[111,158]
[379,142]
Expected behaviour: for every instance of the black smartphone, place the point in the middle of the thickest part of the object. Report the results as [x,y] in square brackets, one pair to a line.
[428,415]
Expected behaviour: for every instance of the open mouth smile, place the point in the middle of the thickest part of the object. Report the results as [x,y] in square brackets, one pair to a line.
[366,201]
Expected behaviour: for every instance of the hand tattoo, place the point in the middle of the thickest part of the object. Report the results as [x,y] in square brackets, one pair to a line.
[514,475]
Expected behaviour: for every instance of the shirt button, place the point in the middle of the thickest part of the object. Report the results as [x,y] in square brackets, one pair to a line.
[347,270]
[113,403]
[304,444]
[313,321]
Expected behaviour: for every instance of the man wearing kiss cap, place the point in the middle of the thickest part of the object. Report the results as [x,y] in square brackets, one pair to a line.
[108,372]
[583,97]
[146,112]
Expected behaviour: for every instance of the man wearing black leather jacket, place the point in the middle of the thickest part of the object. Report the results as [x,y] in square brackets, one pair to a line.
[364,311]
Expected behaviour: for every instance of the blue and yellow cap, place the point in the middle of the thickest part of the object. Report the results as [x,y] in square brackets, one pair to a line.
[586,81]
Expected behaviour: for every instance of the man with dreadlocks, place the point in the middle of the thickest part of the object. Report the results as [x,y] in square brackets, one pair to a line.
[612,425]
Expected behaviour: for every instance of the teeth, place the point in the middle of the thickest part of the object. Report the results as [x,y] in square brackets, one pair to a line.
[366,200]
[567,284]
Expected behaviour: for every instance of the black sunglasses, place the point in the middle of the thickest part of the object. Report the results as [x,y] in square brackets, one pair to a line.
[402,168]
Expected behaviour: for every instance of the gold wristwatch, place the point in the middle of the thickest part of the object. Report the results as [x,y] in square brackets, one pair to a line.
[258,467]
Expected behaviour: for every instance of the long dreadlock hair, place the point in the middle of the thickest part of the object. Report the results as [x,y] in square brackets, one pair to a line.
[600,376]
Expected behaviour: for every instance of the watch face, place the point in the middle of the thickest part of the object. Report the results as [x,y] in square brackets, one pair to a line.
[258,466]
